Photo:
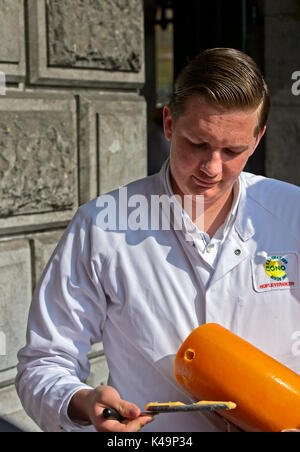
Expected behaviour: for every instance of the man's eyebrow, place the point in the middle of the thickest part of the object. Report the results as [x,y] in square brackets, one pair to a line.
[239,148]
[242,147]
[201,139]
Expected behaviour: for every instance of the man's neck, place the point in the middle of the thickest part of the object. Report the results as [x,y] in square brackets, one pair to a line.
[210,217]
[215,214]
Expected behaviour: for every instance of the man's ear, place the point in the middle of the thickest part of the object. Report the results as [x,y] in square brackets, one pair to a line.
[260,136]
[167,119]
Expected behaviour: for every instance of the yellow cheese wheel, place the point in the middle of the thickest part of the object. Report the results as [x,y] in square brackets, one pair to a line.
[215,364]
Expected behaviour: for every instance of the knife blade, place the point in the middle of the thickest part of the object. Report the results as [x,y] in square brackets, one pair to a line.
[172,407]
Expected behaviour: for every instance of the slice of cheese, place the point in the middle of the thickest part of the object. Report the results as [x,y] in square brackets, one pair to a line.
[230,405]
[163,404]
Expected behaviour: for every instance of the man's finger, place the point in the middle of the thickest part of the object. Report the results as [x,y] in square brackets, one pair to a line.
[138,423]
[109,397]
[128,425]
[128,410]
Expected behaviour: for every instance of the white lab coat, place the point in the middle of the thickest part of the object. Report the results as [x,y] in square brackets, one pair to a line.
[141,293]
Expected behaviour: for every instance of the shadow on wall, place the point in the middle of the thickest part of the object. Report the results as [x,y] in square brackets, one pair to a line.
[158,145]
[7,427]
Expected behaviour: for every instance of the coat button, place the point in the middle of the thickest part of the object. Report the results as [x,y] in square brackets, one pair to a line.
[237,252]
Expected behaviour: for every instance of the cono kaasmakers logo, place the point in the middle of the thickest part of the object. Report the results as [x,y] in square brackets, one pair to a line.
[276,268]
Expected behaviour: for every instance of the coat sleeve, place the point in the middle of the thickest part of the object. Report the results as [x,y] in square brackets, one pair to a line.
[66,317]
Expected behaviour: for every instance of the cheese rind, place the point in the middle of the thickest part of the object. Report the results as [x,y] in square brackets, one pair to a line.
[225,366]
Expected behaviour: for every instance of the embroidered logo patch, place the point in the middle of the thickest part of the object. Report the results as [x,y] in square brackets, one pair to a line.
[276,268]
[275,271]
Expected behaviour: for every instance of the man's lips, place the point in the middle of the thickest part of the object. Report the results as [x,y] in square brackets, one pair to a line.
[204,182]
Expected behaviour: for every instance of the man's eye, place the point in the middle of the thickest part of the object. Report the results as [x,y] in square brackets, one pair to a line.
[198,145]
[230,152]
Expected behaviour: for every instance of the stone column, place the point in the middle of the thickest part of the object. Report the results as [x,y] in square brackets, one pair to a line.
[72,126]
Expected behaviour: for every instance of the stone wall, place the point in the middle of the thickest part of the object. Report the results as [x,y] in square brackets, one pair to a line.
[72,126]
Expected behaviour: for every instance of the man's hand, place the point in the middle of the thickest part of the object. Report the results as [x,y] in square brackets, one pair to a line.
[88,405]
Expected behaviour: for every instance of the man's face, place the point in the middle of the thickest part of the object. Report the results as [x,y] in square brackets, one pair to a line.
[209,147]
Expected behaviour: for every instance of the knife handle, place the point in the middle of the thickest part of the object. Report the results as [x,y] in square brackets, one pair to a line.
[110,413]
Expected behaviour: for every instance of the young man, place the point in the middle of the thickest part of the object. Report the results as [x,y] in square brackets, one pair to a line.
[143,290]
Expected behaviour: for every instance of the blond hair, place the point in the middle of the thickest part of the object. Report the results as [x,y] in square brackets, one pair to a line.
[224,77]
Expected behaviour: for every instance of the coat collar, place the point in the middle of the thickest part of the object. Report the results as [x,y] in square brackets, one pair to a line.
[245,213]
[243,222]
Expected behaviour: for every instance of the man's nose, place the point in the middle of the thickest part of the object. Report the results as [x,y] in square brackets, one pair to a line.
[211,163]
